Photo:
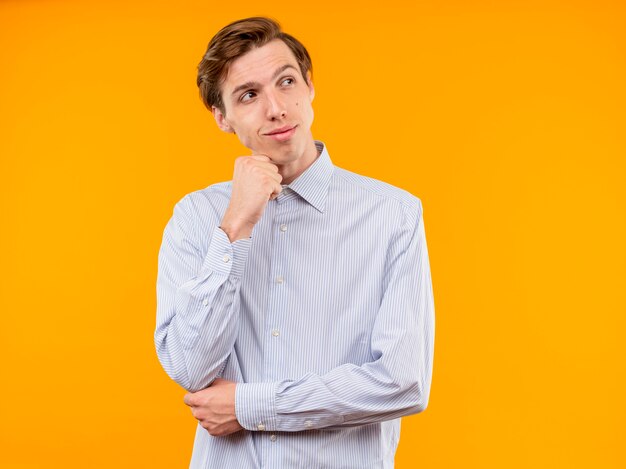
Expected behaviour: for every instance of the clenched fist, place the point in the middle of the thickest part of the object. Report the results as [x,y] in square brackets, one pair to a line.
[255,182]
[214,407]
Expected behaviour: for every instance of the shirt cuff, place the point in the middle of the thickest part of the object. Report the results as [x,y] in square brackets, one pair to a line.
[224,257]
[255,406]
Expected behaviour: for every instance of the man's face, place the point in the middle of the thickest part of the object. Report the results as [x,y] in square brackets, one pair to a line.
[264,93]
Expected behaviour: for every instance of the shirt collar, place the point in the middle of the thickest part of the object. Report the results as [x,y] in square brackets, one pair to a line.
[312,185]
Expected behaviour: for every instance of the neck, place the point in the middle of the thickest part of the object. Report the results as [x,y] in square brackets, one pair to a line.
[291,171]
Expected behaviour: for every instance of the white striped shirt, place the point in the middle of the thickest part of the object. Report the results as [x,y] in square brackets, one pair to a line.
[324,316]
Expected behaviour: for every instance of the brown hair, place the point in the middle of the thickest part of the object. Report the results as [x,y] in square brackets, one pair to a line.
[233,41]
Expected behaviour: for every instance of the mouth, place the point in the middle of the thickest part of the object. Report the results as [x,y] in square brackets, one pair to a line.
[282,133]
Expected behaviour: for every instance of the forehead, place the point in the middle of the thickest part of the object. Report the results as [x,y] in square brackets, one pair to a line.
[258,64]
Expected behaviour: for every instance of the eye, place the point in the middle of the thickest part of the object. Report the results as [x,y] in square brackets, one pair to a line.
[247,96]
[288,81]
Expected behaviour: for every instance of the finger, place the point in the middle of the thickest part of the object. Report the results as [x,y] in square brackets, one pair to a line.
[276,177]
[267,166]
[277,190]
[272,173]
[260,157]
[272,166]
[188,399]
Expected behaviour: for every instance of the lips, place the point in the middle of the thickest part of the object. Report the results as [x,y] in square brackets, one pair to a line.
[280,130]
[282,134]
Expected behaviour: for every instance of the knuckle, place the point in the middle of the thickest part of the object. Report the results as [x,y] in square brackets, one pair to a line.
[247,162]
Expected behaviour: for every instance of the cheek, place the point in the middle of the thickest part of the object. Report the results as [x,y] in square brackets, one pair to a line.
[246,128]
[248,133]
[308,110]
[247,139]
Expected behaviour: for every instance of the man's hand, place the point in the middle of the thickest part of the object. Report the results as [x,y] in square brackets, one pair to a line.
[255,181]
[214,407]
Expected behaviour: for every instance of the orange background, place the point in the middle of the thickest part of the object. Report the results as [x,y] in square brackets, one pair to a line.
[506,118]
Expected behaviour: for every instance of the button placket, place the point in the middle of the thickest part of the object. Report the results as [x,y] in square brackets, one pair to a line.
[275,338]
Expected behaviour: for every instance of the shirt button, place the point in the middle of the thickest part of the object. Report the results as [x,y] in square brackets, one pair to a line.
[275,332]
[280,279]
[260,427]
[283,228]
[308,424]
[205,302]
[226,258]
[273,437]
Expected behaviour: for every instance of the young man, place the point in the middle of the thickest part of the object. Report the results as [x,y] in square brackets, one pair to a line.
[295,301]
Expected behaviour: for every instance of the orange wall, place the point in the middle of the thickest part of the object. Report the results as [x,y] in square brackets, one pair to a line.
[506,118]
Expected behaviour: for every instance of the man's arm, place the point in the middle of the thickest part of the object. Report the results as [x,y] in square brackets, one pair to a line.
[197,300]
[198,297]
[395,383]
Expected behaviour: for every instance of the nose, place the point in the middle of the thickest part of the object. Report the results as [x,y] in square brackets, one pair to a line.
[275,107]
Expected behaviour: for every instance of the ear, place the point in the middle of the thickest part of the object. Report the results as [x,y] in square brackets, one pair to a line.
[310,85]
[221,121]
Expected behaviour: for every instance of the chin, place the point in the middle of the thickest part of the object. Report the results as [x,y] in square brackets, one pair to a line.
[282,159]
[284,154]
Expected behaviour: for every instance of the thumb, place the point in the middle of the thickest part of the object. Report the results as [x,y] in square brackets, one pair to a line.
[189,399]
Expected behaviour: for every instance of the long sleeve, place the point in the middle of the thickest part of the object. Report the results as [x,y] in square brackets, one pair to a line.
[396,382]
[197,297]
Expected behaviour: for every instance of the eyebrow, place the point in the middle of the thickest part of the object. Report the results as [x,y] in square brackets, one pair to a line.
[253,84]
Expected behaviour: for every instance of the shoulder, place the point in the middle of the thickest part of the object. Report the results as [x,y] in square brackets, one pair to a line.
[201,210]
[207,199]
[388,194]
